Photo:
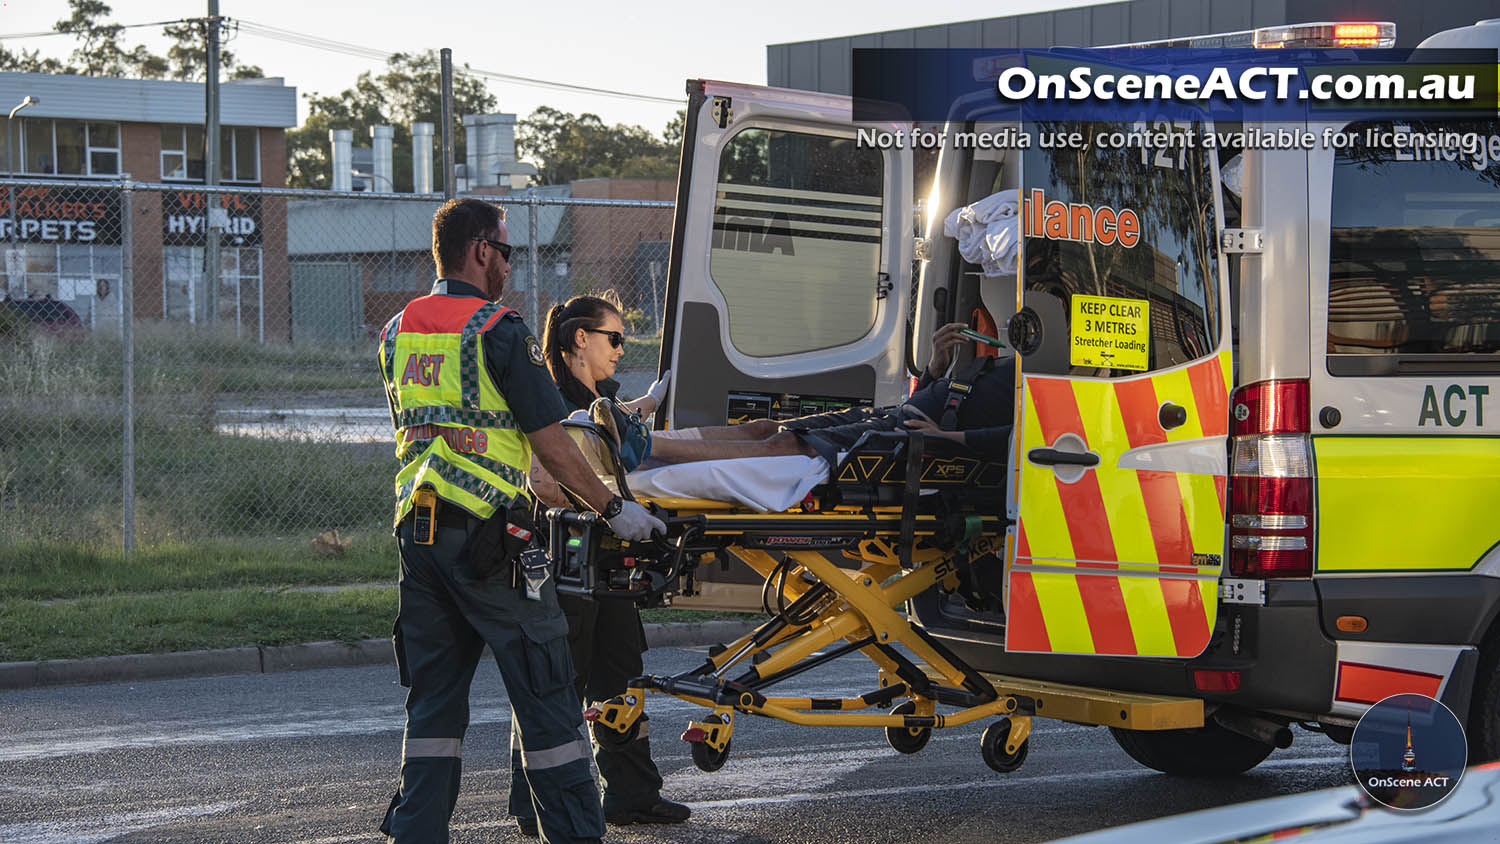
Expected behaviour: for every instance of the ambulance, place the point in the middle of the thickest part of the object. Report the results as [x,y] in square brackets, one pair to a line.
[1256,442]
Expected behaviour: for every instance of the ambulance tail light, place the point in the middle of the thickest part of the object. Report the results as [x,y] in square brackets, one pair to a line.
[1271,481]
[1362,34]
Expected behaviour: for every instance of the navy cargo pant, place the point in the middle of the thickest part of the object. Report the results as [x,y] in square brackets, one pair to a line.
[443,624]
[607,642]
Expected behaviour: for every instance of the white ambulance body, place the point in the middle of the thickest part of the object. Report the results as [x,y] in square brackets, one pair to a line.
[1280,501]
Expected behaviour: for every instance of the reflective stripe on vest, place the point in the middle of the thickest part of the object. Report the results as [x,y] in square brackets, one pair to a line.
[454,430]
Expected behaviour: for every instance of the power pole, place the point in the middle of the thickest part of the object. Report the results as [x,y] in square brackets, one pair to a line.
[445,70]
[211,163]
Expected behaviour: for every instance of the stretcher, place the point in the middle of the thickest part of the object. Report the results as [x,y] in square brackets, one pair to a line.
[904,514]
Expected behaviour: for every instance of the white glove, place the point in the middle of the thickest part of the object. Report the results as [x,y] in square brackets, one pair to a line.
[635,523]
[659,390]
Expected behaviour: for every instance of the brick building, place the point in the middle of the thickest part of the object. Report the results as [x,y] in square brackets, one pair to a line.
[63,239]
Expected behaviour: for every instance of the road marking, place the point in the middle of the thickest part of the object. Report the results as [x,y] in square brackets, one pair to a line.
[105,827]
[1001,781]
[821,768]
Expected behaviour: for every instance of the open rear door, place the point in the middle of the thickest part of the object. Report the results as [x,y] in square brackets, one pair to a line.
[1122,419]
[790,261]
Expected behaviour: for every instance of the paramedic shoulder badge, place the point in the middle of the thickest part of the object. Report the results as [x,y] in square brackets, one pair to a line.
[534,350]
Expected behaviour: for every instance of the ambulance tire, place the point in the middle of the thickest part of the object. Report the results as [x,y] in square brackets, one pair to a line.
[907,739]
[1207,751]
[1484,709]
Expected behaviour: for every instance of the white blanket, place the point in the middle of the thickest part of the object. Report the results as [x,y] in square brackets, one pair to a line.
[764,484]
[986,232]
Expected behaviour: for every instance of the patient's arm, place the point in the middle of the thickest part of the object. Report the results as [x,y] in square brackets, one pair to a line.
[929,428]
[991,440]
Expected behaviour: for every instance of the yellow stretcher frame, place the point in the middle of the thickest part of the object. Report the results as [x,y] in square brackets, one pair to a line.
[859,608]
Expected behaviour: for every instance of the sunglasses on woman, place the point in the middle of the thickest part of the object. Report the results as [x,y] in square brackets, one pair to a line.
[616,339]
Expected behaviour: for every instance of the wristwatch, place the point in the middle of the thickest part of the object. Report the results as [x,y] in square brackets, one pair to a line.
[613,508]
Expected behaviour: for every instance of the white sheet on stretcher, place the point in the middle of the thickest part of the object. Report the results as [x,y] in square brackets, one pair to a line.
[764,484]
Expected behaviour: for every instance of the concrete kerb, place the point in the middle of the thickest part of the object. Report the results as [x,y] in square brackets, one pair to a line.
[266,660]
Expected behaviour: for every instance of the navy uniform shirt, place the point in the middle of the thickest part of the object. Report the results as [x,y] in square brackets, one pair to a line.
[986,414]
[512,356]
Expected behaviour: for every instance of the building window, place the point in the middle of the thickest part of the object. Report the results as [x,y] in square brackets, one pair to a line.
[796,240]
[86,278]
[182,154]
[238,301]
[68,148]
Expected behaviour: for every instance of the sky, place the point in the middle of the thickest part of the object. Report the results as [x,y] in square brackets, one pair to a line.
[646,47]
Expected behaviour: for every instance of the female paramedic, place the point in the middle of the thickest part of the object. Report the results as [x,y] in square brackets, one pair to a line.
[583,341]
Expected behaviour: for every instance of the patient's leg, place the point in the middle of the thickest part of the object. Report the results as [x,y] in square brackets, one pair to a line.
[685,451]
[758,430]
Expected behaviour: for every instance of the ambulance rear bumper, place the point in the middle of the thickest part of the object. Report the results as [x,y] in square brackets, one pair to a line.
[1284,660]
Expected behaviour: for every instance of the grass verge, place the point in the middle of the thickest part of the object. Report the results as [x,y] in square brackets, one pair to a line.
[40,571]
[187,621]
[165,622]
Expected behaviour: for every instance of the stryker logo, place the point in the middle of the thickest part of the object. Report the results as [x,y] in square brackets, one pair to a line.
[752,234]
[1079,221]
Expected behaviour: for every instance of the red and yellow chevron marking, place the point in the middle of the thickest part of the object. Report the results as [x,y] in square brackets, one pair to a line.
[1104,565]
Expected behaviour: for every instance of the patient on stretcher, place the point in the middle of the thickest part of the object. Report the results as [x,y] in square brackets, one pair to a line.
[973,408]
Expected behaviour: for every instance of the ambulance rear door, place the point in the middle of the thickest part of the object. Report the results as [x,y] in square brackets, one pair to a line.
[790,260]
[1122,413]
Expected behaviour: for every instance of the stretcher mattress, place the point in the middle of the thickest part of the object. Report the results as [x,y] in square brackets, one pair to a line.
[764,484]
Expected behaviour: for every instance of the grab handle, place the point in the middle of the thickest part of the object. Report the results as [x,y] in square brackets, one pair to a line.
[1053,457]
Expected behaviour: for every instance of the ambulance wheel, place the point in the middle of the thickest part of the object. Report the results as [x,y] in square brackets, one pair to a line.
[907,739]
[706,758]
[992,748]
[1206,751]
[614,739]
[1484,709]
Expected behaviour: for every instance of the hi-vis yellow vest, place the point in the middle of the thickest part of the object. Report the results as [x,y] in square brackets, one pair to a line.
[454,430]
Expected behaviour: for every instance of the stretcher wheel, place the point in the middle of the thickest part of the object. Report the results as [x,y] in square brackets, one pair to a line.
[614,739]
[907,739]
[992,748]
[706,758]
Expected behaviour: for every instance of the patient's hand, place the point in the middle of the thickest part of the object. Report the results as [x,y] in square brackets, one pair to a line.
[943,342]
[931,429]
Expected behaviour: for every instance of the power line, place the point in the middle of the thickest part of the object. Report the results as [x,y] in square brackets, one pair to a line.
[320,43]
[50,32]
[327,44]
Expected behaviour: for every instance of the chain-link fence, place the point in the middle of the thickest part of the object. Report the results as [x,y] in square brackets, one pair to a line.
[246,321]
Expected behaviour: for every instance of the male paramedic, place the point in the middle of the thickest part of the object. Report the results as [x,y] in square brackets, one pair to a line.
[470,400]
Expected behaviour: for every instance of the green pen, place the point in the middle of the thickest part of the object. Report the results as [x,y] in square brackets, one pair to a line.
[975,335]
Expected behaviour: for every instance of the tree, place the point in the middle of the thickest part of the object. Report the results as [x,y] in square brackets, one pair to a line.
[99,52]
[564,147]
[410,90]
[30,61]
[187,58]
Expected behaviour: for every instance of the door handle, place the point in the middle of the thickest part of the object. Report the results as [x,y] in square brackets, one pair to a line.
[1053,457]
[1171,416]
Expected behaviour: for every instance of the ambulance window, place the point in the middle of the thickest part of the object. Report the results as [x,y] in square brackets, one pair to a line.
[796,240]
[1414,255]
[1132,229]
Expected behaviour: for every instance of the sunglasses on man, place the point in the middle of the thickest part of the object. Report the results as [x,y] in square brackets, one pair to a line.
[498,245]
[616,339]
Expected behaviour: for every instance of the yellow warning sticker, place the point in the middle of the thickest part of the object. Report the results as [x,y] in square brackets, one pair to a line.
[1110,332]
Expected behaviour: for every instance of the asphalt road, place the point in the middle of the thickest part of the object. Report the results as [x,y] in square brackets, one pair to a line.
[311,757]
